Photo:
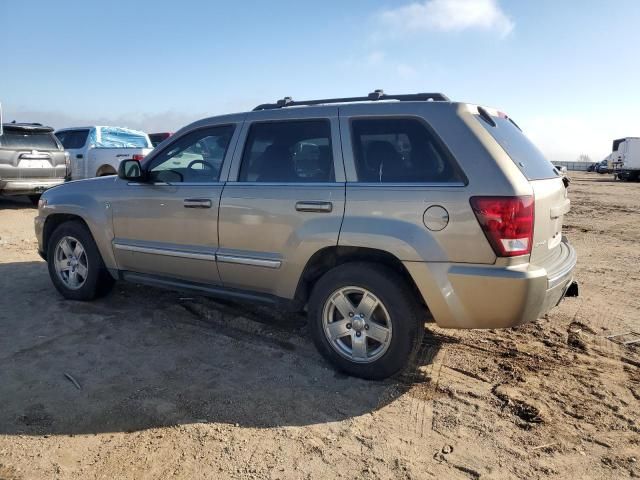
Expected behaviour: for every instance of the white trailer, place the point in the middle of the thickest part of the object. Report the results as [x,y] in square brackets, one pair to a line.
[624,160]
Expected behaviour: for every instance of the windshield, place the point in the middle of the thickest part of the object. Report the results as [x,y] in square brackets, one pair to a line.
[522,151]
[28,140]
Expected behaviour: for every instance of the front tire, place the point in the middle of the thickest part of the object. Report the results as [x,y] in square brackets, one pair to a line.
[365,320]
[75,264]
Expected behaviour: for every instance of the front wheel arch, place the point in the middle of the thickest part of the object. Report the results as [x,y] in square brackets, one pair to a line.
[55,220]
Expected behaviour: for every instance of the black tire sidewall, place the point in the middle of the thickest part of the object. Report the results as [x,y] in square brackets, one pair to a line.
[91,286]
[397,297]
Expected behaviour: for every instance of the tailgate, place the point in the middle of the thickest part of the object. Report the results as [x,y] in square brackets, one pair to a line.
[551,204]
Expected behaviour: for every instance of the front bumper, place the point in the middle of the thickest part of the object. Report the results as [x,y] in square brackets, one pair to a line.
[481,296]
[31,186]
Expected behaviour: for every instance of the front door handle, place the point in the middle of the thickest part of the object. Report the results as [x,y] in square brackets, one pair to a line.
[323,207]
[197,203]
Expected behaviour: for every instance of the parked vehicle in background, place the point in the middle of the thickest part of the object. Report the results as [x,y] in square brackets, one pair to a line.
[157,138]
[375,214]
[97,151]
[603,166]
[593,167]
[624,160]
[31,160]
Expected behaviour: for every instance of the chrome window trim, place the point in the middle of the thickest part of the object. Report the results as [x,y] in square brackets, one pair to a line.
[167,252]
[407,184]
[178,184]
[286,184]
[254,262]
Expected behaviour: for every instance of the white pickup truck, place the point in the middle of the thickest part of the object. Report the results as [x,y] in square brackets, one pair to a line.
[97,151]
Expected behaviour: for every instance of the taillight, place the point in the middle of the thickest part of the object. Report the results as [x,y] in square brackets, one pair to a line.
[507,223]
[138,157]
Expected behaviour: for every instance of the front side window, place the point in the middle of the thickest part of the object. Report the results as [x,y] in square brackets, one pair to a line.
[195,157]
[400,150]
[288,151]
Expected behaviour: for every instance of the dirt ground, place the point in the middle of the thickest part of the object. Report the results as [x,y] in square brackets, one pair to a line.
[170,386]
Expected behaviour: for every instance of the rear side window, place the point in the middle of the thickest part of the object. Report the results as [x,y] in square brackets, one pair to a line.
[400,150]
[288,152]
[73,138]
[522,151]
[28,140]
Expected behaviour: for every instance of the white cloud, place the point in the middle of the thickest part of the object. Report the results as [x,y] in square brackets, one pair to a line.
[446,16]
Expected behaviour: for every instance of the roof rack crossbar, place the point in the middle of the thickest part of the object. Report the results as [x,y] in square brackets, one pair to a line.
[373,96]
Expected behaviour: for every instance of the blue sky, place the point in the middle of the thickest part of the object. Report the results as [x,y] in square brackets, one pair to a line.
[566,71]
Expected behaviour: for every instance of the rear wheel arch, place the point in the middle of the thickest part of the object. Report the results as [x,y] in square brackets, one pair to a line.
[328,258]
[105,170]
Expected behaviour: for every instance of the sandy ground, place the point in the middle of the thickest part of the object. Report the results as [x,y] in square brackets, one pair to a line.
[180,387]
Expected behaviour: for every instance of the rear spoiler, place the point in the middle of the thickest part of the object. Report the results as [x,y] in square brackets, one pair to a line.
[27,127]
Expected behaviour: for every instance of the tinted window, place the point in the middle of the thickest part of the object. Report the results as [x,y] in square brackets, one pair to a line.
[73,138]
[522,151]
[28,140]
[195,157]
[157,138]
[298,151]
[400,150]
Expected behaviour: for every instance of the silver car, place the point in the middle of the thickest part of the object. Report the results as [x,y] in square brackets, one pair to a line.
[374,214]
[31,160]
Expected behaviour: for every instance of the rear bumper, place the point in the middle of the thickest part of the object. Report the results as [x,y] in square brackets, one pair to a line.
[31,186]
[480,296]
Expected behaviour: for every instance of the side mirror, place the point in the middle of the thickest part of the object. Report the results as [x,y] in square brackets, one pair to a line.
[131,170]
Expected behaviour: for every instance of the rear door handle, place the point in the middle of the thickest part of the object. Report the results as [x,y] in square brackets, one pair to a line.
[323,207]
[197,203]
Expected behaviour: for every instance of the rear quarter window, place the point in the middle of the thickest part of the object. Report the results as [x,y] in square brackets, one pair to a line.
[401,150]
[531,162]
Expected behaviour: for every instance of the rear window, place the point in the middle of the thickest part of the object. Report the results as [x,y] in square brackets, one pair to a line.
[73,138]
[28,140]
[522,151]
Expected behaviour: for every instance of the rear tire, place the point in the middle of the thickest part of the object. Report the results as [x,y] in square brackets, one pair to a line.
[34,199]
[396,322]
[75,264]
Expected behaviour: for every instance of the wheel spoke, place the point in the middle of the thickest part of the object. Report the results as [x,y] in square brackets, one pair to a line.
[359,347]
[377,332]
[367,306]
[73,278]
[66,248]
[78,251]
[82,271]
[338,329]
[343,304]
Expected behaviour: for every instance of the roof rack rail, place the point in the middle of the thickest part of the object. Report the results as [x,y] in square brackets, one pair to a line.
[373,96]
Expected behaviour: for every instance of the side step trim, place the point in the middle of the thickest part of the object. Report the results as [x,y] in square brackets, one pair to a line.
[206,289]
